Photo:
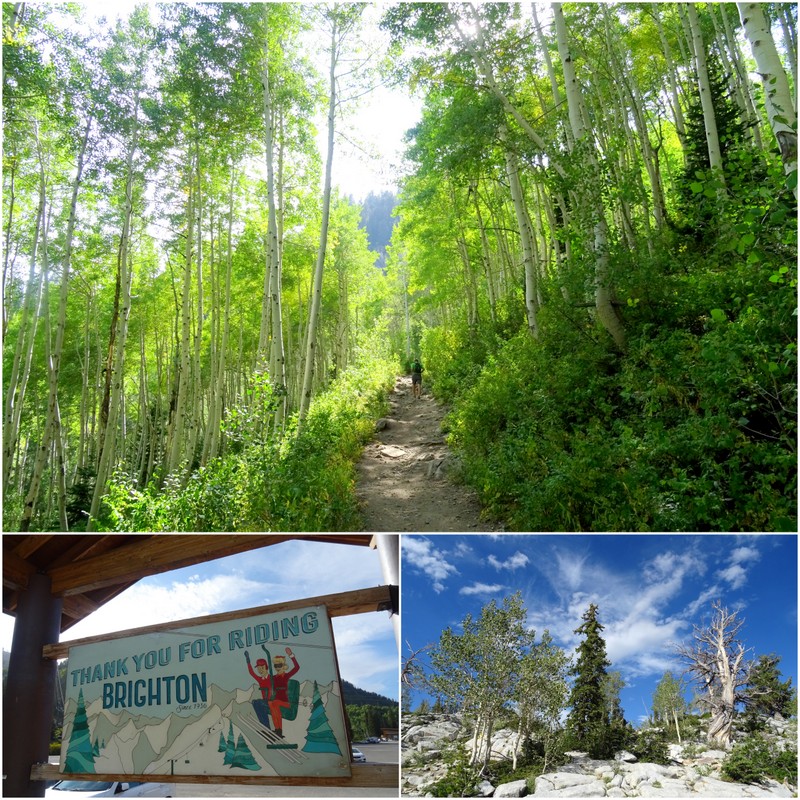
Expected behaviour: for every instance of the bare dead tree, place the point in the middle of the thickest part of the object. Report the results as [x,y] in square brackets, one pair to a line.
[412,674]
[716,661]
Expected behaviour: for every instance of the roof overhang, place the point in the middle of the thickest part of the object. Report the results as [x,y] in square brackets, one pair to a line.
[88,570]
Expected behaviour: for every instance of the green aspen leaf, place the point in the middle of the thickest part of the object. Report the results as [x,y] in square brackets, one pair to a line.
[718,315]
[748,239]
[772,366]
[754,257]
[791,180]
[775,278]
[696,187]
[710,192]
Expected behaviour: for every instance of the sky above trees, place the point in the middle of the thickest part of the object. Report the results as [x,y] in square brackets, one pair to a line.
[650,591]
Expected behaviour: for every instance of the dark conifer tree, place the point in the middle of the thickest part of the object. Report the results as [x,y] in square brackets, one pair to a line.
[588,723]
[766,694]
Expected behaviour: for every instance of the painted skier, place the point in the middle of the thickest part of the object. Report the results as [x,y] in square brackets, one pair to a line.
[279,703]
[262,676]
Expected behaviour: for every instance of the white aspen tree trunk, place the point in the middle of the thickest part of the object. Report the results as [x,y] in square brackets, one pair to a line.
[789,40]
[194,411]
[485,253]
[406,313]
[8,264]
[44,443]
[215,419]
[121,334]
[677,110]
[557,98]
[272,313]
[526,238]
[753,114]
[23,350]
[709,118]
[606,313]
[184,367]
[316,296]
[779,101]
[53,350]
[84,406]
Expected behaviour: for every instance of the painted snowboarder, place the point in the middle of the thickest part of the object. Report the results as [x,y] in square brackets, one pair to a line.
[262,676]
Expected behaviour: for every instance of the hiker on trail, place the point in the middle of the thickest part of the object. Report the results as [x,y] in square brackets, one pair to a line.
[416,377]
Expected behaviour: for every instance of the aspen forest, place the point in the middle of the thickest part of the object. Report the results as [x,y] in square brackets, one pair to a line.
[594,255]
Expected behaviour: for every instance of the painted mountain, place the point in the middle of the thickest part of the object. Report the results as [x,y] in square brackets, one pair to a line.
[130,743]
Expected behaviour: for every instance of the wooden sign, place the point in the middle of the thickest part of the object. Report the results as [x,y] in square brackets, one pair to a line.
[258,695]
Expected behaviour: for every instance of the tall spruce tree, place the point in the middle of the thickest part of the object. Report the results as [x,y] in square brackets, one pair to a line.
[589,721]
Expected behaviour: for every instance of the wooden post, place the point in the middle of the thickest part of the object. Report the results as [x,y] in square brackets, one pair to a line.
[30,689]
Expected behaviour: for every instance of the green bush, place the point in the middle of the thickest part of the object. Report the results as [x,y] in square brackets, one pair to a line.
[651,745]
[461,780]
[755,758]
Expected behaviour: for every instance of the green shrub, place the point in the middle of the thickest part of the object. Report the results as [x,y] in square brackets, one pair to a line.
[651,745]
[461,780]
[755,758]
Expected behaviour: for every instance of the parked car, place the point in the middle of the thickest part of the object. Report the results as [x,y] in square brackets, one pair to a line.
[81,789]
[373,740]
[358,755]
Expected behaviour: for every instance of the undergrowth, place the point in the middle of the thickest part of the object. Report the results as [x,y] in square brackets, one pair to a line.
[302,481]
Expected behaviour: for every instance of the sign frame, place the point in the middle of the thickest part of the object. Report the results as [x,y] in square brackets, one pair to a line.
[346,603]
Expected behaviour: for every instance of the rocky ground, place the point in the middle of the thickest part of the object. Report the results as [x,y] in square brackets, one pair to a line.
[404,475]
[694,772]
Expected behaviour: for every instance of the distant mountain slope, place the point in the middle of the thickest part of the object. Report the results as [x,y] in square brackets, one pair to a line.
[353,696]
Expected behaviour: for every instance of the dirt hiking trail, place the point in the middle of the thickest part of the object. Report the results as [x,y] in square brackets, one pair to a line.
[403,482]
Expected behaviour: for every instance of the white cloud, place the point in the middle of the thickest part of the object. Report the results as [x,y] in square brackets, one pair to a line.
[631,640]
[481,588]
[741,554]
[147,604]
[735,575]
[514,562]
[569,570]
[367,653]
[636,606]
[420,553]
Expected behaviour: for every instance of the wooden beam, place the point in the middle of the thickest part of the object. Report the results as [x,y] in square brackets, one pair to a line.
[78,606]
[360,601]
[16,571]
[163,553]
[30,544]
[363,775]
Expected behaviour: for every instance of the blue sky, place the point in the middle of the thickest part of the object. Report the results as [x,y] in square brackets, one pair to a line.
[650,590]
[293,570]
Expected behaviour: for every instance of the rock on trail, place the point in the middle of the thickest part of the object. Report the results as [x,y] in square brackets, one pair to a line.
[403,480]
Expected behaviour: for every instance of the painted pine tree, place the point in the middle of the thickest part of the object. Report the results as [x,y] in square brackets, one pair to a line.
[319,735]
[242,757]
[230,747]
[223,745]
[80,752]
